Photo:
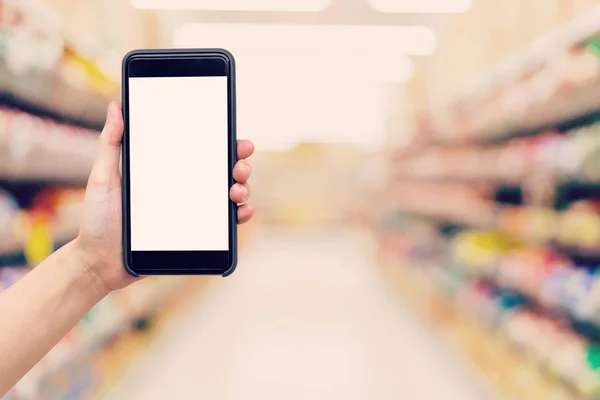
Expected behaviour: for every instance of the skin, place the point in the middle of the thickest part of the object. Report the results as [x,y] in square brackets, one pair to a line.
[41,308]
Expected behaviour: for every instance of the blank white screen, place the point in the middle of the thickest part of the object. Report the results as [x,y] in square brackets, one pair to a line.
[178,163]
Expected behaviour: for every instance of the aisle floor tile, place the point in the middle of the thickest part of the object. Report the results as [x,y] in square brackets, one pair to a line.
[306,316]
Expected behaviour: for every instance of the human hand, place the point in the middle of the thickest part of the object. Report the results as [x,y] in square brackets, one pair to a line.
[100,237]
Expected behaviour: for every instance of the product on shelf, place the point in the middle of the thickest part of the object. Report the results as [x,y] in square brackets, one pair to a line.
[30,235]
[478,252]
[579,227]
[41,149]
[39,243]
[540,273]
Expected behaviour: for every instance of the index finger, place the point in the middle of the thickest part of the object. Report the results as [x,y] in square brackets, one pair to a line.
[245,148]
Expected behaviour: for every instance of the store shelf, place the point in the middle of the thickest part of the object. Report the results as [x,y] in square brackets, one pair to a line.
[15,258]
[37,151]
[12,248]
[484,334]
[548,156]
[35,179]
[572,110]
[499,282]
[543,50]
[41,174]
[566,111]
[461,205]
[533,91]
[523,138]
[588,328]
[457,220]
[45,96]
[507,372]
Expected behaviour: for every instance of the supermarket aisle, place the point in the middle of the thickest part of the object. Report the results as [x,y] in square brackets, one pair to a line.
[305,317]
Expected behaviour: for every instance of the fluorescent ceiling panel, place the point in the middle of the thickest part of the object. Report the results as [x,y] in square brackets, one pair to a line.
[233,5]
[324,68]
[422,6]
[302,83]
[273,38]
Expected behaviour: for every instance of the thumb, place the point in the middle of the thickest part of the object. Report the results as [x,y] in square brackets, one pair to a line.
[106,164]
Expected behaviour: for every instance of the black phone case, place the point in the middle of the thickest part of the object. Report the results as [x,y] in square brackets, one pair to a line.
[174,53]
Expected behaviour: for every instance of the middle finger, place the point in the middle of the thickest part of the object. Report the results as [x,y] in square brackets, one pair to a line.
[242,171]
[240,193]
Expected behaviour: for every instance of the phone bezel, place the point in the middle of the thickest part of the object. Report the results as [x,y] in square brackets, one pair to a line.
[165,63]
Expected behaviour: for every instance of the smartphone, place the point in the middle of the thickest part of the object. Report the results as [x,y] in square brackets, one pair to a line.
[179,150]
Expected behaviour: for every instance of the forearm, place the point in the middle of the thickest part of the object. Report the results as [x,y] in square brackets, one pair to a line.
[41,308]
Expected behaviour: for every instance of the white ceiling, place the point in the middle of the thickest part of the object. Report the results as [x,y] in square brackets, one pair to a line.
[340,12]
[390,6]
[280,107]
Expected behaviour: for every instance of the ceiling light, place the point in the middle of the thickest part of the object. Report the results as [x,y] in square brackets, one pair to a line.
[233,5]
[310,66]
[273,38]
[422,6]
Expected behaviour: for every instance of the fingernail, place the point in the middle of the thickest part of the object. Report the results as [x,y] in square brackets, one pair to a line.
[111,108]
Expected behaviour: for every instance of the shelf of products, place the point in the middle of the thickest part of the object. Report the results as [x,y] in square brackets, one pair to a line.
[497,215]
[53,100]
[42,73]
[30,235]
[575,231]
[462,204]
[40,149]
[502,365]
[545,304]
[551,85]
[559,156]
[542,312]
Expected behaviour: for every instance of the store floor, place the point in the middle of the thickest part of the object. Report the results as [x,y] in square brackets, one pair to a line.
[306,316]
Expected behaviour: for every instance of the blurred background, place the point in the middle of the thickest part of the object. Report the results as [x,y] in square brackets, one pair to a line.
[426,182]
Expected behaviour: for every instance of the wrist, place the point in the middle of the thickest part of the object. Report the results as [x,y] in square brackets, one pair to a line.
[87,266]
